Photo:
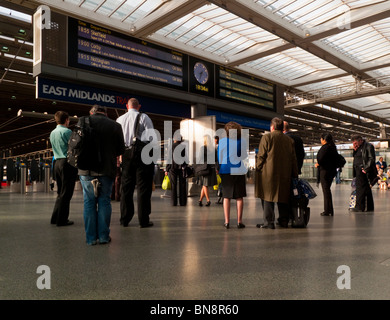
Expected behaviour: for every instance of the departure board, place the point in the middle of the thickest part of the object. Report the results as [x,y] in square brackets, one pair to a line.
[239,87]
[99,49]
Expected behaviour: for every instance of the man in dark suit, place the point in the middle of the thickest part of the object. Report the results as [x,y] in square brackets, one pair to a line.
[364,170]
[97,183]
[135,171]
[299,149]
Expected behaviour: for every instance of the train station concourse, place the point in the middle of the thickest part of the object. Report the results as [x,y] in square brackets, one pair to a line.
[323,66]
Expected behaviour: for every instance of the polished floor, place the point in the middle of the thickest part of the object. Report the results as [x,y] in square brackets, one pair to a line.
[189,255]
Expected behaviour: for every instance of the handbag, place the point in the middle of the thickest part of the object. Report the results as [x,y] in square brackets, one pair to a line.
[215,187]
[166,184]
[187,171]
[302,187]
[202,169]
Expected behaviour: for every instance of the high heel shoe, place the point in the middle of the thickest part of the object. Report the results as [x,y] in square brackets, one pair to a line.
[226,225]
[200,203]
[208,203]
[240,225]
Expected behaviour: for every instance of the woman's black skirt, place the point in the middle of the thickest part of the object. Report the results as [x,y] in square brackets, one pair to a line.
[233,186]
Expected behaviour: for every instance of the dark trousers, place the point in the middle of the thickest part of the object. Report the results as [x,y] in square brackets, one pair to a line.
[65,176]
[177,180]
[363,192]
[269,213]
[135,173]
[326,179]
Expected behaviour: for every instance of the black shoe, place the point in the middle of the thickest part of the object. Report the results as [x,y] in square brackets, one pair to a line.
[326,214]
[208,204]
[200,203]
[124,224]
[356,210]
[240,225]
[68,223]
[226,225]
[282,223]
[266,226]
[150,224]
[106,241]
[374,181]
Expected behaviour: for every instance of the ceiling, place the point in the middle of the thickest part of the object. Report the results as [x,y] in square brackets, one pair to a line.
[332,57]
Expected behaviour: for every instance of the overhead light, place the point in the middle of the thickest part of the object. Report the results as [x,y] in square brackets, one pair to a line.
[22,32]
[13,97]
[28,53]
[4,49]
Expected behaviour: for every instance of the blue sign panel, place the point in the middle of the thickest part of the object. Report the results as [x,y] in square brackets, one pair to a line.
[74,93]
[250,122]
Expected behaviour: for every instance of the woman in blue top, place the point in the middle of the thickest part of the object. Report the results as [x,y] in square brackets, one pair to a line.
[232,150]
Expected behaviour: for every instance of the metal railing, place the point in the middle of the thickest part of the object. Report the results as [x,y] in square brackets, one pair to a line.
[356,89]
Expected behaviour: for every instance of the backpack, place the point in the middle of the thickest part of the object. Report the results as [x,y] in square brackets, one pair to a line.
[83,149]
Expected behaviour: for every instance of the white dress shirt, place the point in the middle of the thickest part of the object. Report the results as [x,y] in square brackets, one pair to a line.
[127,121]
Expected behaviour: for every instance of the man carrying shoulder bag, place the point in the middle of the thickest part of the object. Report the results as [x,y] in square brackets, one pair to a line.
[135,172]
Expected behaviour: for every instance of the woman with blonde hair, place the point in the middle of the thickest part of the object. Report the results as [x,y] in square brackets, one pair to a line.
[210,179]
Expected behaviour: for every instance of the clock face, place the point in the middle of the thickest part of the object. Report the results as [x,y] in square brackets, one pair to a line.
[201,73]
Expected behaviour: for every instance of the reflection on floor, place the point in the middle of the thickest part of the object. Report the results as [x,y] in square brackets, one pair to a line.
[188,254]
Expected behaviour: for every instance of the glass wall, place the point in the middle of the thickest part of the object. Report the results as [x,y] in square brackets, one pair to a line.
[309,171]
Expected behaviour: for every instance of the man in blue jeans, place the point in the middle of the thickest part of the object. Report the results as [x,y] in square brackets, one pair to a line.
[97,183]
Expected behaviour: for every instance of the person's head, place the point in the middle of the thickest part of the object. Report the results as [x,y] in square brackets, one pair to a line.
[381,159]
[216,140]
[206,140]
[177,138]
[133,103]
[286,127]
[357,141]
[98,109]
[233,130]
[326,138]
[62,117]
[276,124]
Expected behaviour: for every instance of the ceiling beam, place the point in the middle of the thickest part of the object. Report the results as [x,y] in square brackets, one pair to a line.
[266,20]
[167,13]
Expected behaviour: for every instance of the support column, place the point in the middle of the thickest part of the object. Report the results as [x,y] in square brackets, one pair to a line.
[382,131]
[198,110]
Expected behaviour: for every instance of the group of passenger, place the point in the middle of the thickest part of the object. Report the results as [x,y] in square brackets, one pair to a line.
[383,174]
[364,172]
[279,159]
[114,139]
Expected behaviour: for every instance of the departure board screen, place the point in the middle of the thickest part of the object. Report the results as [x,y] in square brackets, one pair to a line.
[239,87]
[99,49]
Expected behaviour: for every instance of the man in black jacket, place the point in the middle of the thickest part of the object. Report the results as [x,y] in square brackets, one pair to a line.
[97,186]
[298,143]
[365,172]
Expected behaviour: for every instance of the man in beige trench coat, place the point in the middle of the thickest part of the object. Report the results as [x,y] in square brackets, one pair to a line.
[276,165]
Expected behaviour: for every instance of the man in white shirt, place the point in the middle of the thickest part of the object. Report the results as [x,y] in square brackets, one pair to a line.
[135,172]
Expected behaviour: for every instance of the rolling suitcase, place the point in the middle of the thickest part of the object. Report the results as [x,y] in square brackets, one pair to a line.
[301,213]
[302,192]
